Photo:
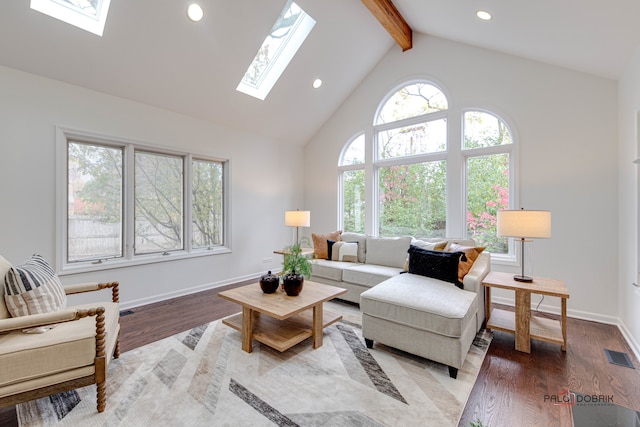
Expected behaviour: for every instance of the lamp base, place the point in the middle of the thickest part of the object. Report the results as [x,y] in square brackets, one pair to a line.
[520,278]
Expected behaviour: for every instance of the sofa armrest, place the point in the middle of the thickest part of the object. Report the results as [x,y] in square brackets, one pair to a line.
[94,286]
[34,320]
[481,267]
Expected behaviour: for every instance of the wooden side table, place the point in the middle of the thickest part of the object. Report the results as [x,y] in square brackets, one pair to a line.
[522,323]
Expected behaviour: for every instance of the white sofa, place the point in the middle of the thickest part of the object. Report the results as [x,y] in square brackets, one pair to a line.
[421,315]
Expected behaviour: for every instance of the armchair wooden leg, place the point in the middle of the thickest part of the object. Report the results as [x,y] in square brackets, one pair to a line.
[101,395]
[116,352]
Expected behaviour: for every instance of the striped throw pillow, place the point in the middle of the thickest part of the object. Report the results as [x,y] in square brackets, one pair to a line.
[33,288]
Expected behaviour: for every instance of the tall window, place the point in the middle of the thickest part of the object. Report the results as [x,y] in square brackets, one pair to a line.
[352,184]
[487,147]
[207,187]
[94,210]
[426,180]
[410,160]
[158,202]
[127,202]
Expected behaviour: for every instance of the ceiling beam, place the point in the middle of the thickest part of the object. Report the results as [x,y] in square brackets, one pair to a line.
[392,21]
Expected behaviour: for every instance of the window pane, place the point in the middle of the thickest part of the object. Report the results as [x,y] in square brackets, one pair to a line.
[353,198]
[412,101]
[354,155]
[207,209]
[484,130]
[428,137]
[94,210]
[487,192]
[413,200]
[159,201]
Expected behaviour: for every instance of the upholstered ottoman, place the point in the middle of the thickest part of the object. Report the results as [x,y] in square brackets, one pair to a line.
[423,316]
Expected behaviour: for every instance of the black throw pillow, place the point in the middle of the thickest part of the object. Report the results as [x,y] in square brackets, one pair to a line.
[436,264]
[330,248]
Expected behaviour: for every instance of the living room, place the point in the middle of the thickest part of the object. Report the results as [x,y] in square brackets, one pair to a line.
[576,134]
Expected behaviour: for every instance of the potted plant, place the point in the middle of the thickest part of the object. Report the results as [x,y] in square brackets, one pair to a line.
[295,268]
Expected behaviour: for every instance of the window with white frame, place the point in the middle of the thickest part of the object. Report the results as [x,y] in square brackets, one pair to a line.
[423,182]
[410,162]
[352,185]
[131,203]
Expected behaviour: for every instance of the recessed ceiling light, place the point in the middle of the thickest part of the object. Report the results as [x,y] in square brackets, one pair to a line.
[195,12]
[317,83]
[484,15]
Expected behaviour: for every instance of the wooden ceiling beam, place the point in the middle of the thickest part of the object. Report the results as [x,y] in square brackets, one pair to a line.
[387,14]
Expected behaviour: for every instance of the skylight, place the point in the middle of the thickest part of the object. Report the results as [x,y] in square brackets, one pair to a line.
[285,38]
[90,15]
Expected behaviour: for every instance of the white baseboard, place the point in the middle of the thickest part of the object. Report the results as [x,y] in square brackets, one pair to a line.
[635,347]
[583,315]
[188,291]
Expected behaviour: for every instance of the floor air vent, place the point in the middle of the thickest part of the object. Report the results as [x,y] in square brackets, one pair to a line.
[618,358]
[126,312]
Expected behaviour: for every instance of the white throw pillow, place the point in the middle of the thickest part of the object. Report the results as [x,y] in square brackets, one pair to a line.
[33,288]
[388,251]
[345,251]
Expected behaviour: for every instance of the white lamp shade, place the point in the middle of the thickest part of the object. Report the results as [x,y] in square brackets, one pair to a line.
[522,223]
[297,218]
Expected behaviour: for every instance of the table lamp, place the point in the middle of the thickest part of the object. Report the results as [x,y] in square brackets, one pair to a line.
[524,224]
[297,219]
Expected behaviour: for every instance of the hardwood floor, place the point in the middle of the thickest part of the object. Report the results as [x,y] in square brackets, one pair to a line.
[510,389]
[512,386]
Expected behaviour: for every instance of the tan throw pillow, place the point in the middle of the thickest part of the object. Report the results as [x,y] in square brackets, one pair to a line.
[472,253]
[320,247]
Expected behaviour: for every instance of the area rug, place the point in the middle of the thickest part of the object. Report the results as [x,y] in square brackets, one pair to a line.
[202,377]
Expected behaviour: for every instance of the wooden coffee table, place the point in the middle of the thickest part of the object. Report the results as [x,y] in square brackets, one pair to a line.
[278,320]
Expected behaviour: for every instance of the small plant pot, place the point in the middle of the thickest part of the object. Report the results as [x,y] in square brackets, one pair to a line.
[293,284]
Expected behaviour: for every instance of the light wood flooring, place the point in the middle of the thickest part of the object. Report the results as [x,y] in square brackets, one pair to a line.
[510,389]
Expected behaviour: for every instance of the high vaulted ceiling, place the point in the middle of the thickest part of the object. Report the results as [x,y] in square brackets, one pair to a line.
[151,53]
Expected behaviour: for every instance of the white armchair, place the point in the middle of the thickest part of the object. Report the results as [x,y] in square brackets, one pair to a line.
[74,352]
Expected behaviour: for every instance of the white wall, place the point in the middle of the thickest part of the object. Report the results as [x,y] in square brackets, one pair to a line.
[566,125]
[629,108]
[261,188]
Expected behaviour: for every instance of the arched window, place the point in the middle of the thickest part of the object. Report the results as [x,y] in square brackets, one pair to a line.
[420,182]
[410,162]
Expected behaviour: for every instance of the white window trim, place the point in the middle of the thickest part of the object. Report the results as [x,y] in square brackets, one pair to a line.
[63,135]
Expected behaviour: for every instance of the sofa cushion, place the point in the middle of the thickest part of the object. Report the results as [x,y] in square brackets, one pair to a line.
[329,269]
[471,253]
[33,288]
[320,247]
[421,302]
[436,264]
[368,274]
[388,251]
[361,239]
[345,251]
[4,267]
[69,345]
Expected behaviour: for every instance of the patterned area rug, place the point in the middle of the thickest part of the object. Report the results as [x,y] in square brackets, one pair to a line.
[202,377]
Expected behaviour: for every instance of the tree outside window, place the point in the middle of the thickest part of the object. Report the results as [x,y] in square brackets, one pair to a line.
[94,208]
